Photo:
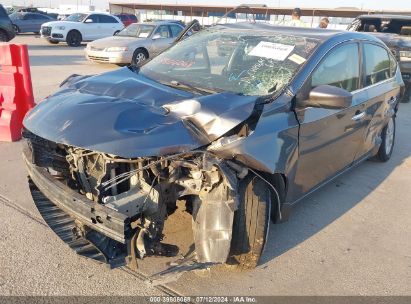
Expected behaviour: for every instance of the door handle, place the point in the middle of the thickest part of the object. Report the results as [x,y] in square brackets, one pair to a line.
[359,116]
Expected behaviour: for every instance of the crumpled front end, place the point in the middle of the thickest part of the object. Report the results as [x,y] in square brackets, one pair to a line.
[112,160]
[119,206]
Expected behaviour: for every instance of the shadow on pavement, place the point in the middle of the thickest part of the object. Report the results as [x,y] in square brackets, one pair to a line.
[331,202]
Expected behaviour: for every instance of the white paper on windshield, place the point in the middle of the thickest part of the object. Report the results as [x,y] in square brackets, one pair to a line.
[276,51]
[297,59]
[143,35]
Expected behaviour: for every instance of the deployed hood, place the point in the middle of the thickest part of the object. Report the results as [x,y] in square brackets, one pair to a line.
[125,114]
[115,41]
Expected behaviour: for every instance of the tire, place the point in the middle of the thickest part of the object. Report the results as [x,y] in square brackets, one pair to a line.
[251,223]
[139,57]
[52,41]
[74,38]
[3,36]
[16,29]
[388,140]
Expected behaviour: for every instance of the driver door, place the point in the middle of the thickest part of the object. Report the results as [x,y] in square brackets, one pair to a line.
[91,28]
[329,139]
[161,40]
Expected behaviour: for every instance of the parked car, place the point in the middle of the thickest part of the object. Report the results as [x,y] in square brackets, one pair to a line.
[9,9]
[6,27]
[239,138]
[134,44]
[80,27]
[127,19]
[395,31]
[28,22]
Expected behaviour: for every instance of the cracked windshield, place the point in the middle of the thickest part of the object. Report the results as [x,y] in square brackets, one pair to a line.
[247,63]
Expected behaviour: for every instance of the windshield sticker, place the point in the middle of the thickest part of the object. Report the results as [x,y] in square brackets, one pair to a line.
[276,51]
[297,59]
[180,63]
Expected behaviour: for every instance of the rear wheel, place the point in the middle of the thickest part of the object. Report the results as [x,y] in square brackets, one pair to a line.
[139,57]
[388,140]
[251,222]
[74,39]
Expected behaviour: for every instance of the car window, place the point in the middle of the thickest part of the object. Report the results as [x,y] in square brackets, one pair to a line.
[77,17]
[107,19]
[40,17]
[340,68]
[247,63]
[377,64]
[163,31]
[175,30]
[95,18]
[28,17]
[133,18]
[395,26]
[137,30]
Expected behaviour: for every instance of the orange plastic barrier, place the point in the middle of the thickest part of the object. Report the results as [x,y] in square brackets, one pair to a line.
[16,91]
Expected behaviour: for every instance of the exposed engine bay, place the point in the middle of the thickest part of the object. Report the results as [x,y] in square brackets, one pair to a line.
[145,190]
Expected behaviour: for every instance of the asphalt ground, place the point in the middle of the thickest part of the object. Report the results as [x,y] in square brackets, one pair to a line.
[351,237]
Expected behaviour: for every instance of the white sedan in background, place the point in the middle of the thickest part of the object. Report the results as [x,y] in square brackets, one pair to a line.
[135,44]
[80,27]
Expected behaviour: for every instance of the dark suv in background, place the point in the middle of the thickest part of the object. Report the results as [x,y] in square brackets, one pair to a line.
[6,27]
[395,32]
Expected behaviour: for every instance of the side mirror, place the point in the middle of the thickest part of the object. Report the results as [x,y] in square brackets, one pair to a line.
[156,36]
[329,97]
[88,21]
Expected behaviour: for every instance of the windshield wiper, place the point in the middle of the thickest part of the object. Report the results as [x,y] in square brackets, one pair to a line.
[188,87]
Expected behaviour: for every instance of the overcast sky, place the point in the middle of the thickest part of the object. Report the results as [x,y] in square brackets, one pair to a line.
[102,4]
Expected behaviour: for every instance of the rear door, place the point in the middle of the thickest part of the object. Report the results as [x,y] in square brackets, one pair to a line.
[329,139]
[162,39]
[26,23]
[39,19]
[109,26]
[381,89]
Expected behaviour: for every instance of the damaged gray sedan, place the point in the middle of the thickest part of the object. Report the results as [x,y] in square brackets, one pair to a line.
[238,136]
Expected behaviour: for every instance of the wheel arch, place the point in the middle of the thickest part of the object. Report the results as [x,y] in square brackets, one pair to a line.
[142,48]
[74,30]
[279,181]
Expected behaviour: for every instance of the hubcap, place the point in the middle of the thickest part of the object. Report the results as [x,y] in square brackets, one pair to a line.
[140,58]
[389,137]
